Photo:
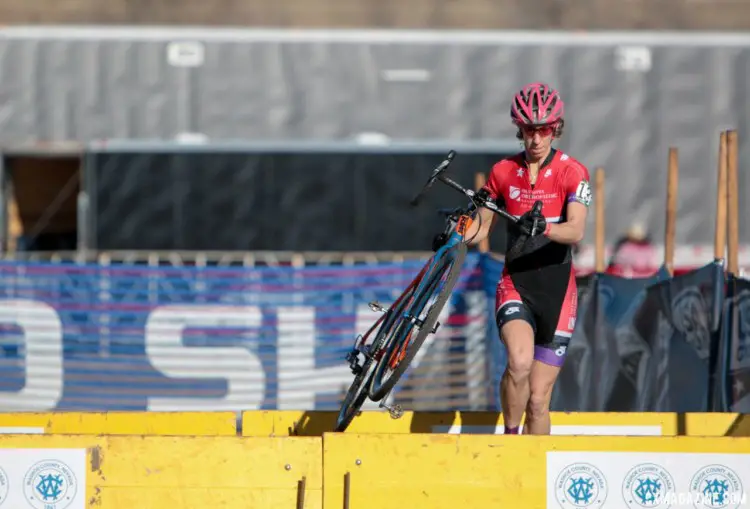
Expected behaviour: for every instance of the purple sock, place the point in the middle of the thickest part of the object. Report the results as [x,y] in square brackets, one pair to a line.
[511,431]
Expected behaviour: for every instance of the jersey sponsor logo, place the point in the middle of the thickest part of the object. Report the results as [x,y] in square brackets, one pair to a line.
[561,351]
[564,157]
[519,172]
[548,173]
[583,193]
[514,193]
[528,195]
[512,309]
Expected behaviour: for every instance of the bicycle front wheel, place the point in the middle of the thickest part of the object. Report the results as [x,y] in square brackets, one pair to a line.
[401,347]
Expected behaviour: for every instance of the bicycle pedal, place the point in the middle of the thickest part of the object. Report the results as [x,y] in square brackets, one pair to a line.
[375,306]
[395,411]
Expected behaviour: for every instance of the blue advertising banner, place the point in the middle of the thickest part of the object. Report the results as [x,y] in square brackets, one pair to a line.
[130,337]
[134,337]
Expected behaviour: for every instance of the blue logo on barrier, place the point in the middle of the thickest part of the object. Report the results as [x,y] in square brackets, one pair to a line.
[581,485]
[648,485]
[716,486]
[50,484]
[3,486]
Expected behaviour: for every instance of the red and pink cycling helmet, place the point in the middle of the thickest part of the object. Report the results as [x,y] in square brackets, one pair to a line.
[538,104]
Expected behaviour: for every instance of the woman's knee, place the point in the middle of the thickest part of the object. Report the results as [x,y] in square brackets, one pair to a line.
[538,403]
[541,384]
[518,337]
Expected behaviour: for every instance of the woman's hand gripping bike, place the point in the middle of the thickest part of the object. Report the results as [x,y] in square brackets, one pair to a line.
[402,328]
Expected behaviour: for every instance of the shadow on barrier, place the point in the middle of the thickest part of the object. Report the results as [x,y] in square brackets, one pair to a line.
[740,427]
[316,423]
[464,421]
[311,423]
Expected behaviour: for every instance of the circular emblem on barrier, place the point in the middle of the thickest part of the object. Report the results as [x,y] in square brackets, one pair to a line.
[581,485]
[648,485]
[50,484]
[3,486]
[716,486]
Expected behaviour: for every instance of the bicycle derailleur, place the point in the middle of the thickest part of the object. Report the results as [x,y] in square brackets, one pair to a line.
[353,359]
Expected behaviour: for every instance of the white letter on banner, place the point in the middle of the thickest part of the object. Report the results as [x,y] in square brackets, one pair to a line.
[299,380]
[42,331]
[243,370]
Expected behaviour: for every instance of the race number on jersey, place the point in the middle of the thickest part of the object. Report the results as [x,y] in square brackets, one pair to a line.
[583,193]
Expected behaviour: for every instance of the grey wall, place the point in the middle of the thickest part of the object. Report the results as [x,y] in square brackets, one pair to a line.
[623,112]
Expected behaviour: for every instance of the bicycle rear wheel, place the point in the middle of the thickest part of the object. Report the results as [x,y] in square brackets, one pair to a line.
[401,344]
[355,396]
[359,389]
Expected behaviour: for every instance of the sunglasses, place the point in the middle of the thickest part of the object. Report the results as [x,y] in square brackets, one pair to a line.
[543,130]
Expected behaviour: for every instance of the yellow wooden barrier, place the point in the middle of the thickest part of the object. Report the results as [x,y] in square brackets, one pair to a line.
[125,472]
[448,471]
[290,423]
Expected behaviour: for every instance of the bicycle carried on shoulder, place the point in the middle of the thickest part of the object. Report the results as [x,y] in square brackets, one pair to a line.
[402,328]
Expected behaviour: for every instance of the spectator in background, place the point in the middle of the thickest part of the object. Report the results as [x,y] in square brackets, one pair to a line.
[633,254]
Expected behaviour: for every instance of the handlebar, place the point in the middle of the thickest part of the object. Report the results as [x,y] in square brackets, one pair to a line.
[476,198]
[435,175]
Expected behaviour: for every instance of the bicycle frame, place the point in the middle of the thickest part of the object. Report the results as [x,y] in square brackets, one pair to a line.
[360,341]
[456,236]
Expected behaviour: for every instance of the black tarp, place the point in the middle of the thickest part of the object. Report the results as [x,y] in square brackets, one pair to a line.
[317,200]
[645,345]
[735,349]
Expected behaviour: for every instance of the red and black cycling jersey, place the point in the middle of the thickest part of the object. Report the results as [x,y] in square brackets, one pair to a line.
[561,180]
[538,284]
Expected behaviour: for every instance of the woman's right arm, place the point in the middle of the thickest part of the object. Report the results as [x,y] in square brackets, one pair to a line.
[481,226]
